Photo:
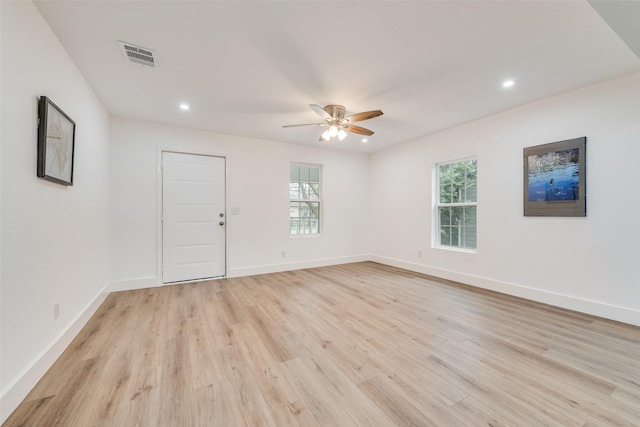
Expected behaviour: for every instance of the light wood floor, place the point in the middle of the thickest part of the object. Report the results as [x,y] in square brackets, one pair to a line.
[352,345]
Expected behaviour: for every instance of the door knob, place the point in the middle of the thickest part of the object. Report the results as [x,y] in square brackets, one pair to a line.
[221,222]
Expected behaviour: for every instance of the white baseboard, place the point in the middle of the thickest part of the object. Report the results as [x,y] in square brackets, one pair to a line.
[131,284]
[17,391]
[607,311]
[153,281]
[276,268]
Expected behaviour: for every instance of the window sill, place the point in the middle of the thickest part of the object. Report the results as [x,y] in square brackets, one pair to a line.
[304,236]
[457,249]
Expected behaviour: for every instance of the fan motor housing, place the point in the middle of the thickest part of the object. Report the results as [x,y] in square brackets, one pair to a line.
[335,111]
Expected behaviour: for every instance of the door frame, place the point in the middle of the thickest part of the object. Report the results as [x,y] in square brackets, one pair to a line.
[159,234]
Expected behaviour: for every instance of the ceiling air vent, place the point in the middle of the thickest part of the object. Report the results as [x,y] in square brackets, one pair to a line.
[137,54]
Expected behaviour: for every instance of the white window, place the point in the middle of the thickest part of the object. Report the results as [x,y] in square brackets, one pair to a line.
[457,204]
[304,199]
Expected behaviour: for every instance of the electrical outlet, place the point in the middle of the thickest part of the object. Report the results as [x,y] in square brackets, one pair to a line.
[284,254]
[56,310]
[419,254]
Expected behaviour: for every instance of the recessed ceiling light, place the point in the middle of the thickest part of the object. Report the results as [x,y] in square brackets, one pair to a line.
[184,107]
[508,83]
[365,140]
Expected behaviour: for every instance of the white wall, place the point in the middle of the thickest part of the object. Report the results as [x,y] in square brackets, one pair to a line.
[589,264]
[258,176]
[54,238]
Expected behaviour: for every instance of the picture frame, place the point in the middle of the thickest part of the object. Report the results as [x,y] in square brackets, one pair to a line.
[555,179]
[56,143]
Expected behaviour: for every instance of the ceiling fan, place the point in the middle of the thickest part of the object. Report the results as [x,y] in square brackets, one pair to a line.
[333,116]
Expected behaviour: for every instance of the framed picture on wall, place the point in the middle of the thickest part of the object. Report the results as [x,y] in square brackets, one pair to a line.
[56,143]
[555,179]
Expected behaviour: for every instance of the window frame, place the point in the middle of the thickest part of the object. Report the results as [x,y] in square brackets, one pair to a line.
[436,241]
[319,200]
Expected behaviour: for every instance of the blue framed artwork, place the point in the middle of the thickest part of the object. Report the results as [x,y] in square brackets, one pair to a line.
[555,179]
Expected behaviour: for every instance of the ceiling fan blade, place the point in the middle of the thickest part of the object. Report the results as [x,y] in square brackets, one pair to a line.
[305,124]
[358,117]
[357,129]
[320,111]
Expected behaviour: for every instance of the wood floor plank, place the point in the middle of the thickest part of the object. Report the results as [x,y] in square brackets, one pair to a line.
[330,377]
[398,408]
[264,372]
[320,402]
[349,345]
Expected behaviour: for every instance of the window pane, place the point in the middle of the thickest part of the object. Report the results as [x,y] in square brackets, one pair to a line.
[314,174]
[456,192]
[455,236]
[445,184]
[304,217]
[294,173]
[294,209]
[312,209]
[471,179]
[471,193]
[457,183]
[457,215]
[304,173]
[308,191]
[293,190]
[445,197]
[469,237]
[304,190]
[472,170]
[314,191]
[469,216]
[445,236]
[445,216]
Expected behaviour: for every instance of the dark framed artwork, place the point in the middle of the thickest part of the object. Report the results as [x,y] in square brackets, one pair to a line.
[555,179]
[56,143]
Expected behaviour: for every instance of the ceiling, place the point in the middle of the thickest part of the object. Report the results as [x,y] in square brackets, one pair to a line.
[249,67]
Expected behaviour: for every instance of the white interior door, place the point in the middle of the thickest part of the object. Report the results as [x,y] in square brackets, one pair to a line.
[193,217]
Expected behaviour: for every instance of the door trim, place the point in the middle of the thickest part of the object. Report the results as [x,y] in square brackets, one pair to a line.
[159,236]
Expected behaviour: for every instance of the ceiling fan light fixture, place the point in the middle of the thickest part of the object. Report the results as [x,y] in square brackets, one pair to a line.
[339,126]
